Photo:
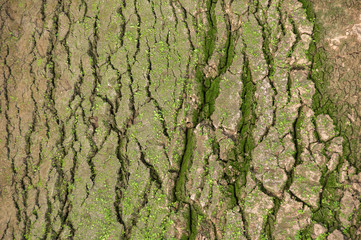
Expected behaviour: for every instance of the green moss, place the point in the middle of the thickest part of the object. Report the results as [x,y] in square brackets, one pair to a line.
[305,233]
[329,210]
[246,143]
[248,106]
[226,60]
[211,34]
[231,190]
[193,223]
[307,5]
[179,192]
[211,95]
[298,126]
[184,237]
[353,230]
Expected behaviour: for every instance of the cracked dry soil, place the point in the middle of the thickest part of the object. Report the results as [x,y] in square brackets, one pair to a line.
[180,119]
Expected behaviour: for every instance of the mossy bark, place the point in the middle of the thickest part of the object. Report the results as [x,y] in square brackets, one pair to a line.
[186,119]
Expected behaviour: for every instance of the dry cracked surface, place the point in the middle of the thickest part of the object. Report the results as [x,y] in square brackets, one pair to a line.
[180,119]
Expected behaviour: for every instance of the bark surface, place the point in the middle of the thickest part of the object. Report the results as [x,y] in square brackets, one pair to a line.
[180,119]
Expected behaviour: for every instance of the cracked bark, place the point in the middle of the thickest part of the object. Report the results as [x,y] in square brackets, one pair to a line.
[175,120]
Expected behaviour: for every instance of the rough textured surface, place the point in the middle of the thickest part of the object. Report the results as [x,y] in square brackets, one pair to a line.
[180,119]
